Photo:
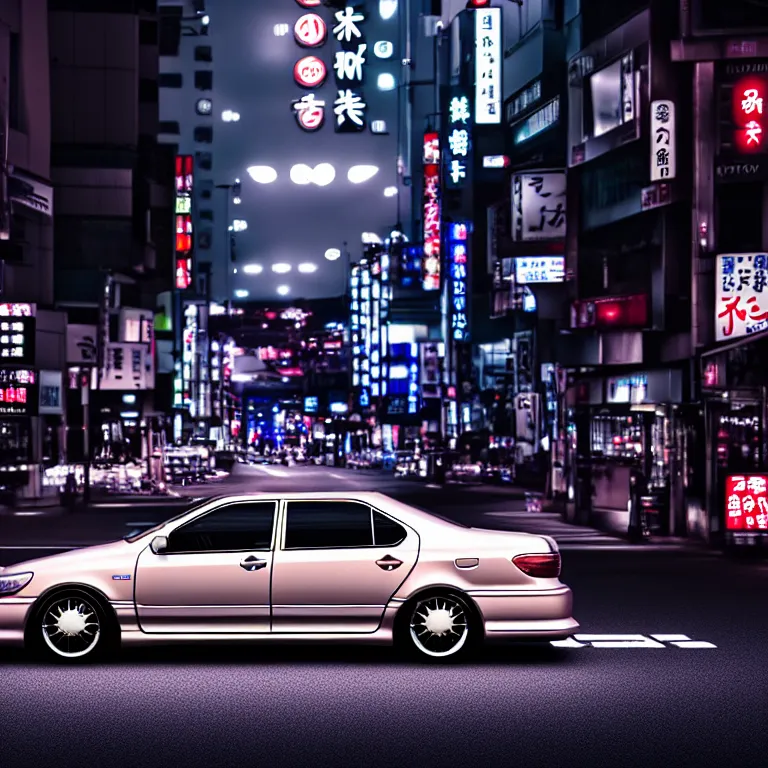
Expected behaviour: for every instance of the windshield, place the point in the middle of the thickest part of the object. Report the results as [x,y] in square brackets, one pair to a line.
[135,535]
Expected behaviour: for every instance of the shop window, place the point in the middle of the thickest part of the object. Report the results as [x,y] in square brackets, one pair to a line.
[617,437]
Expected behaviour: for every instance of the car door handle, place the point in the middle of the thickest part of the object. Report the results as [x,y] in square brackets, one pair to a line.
[389,563]
[253,564]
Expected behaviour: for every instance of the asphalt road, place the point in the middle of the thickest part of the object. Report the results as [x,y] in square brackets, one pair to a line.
[581,706]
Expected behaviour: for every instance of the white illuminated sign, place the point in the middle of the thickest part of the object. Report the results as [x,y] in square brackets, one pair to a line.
[538,205]
[741,295]
[540,269]
[346,27]
[488,66]
[495,161]
[349,109]
[383,49]
[349,65]
[663,144]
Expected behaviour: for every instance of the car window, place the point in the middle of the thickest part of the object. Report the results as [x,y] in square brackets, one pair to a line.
[386,532]
[239,527]
[324,524]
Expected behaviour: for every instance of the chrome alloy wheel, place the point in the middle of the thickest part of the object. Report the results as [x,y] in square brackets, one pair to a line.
[71,627]
[439,626]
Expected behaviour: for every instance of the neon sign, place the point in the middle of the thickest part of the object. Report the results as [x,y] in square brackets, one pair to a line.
[459,266]
[459,140]
[310,31]
[750,109]
[310,72]
[183,221]
[430,270]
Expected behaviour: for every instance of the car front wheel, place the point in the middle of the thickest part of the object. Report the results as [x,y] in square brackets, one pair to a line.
[440,626]
[71,626]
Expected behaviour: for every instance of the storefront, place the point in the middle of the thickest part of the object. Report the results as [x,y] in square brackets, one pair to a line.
[619,426]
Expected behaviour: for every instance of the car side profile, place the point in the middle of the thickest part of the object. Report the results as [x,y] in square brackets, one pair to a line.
[307,567]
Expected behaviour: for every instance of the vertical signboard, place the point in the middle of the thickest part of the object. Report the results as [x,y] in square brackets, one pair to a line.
[430,265]
[457,154]
[663,142]
[488,66]
[183,219]
[458,247]
[538,206]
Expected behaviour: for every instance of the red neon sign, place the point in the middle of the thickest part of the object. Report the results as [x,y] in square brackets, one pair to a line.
[430,264]
[746,503]
[184,172]
[750,113]
[310,72]
[183,273]
[13,395]
[183,233]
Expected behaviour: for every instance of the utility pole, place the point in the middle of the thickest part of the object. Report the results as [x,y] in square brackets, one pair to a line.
[85,390]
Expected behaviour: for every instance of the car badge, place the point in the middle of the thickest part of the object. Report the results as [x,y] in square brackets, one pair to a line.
[121,577]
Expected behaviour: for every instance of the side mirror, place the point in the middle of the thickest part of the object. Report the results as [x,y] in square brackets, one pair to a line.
[159,545]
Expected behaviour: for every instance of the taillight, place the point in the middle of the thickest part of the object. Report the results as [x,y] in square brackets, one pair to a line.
[539,566]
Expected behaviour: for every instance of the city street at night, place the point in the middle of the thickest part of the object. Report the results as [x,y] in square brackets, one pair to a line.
[656,704]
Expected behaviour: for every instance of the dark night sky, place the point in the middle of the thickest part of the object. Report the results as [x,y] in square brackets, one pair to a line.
[288,222]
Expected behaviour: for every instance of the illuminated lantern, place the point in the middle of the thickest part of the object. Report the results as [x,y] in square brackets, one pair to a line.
[310,72]
[310,31]
[750,114]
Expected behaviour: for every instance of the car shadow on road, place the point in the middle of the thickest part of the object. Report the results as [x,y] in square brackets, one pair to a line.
[223,654]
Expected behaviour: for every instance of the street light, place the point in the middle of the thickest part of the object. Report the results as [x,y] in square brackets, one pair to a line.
[332,254]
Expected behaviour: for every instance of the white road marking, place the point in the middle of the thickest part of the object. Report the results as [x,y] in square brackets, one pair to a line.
[273,472]
[433,486]
[338,477]
[630,641]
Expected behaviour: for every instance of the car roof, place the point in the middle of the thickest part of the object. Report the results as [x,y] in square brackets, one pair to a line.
[372,497]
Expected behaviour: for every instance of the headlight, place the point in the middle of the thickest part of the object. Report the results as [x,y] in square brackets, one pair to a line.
[14,582]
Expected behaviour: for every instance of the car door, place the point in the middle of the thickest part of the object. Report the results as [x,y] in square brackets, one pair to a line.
[338,565]
[215,575]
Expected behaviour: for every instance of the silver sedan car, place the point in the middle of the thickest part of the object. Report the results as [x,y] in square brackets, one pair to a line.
[306,567]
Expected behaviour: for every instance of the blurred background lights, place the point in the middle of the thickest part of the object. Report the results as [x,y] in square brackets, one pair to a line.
[307,268]
[253,269]
[385,82]
[332,254]
[281,30]
[387,9]
[390,191]
[322,174]
[370,238]
[283,290]
[239,225]
[237,200]
[228,116]
[240,294]
[262,174]
[361,173]
[281,269]
[378,126]
[383,49]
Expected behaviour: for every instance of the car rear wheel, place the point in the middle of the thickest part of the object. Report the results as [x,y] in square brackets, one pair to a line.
[440,627]
[71,626]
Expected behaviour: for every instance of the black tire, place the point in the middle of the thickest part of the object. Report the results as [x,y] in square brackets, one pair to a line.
[93,627]
[442,645]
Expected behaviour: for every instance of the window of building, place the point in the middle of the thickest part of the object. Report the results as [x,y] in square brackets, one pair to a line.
[203,134]
[242,527]
[204,239]
[203,53]
[205,189]
[147,32]
[328,524]
[170,80]
[148,90]
[206,214]
[204,80]
[204,161]
[14,84]
[169,126]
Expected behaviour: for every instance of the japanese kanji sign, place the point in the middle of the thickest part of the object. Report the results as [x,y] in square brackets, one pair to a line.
[746,503]
[749,102]
[458,264]
[457,153]
[538,205]
[741,298]
[430,266]
[663,143]
[488,66]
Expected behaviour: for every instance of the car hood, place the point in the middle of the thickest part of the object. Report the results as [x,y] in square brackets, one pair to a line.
[114,554]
